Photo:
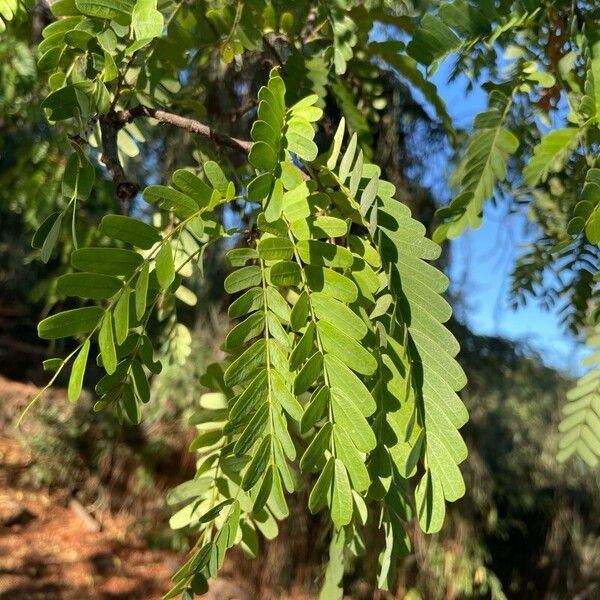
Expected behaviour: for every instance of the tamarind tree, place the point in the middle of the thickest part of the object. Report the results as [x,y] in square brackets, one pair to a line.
[338,373]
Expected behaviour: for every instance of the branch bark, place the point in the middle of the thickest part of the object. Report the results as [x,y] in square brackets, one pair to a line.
[126,116]
[125,189]
[111,123]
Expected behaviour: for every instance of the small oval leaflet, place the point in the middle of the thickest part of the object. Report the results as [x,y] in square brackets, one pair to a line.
[107,261]
[70,323]
[78,371]
[165,266]
[88,285]
[132,231]
[242,279]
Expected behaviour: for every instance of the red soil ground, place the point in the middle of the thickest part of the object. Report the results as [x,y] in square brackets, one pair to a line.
[48,550]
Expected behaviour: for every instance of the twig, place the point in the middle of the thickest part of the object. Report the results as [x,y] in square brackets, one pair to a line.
[242,110]
[86,518]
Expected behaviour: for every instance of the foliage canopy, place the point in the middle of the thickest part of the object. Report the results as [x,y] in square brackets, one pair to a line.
[339,373]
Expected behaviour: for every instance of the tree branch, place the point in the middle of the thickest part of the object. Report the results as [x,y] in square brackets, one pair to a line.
[121,118]
[111,123]
[127,116]
[126,190]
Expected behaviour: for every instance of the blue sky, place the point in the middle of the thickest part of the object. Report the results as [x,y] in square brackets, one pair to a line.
[482,260]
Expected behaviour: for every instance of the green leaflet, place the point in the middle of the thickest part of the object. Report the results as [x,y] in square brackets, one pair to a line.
[301,145]
[321,491]
[79,175]
[262,156]
[323,254]
[336,144]
[106,9]
[275,248]
[67,101]
[52,364]
[278,305]
[291,176]
[106,261]
[429,498]
[275,202]
[258,464]
[132,231]
[193,186]
[246,364]
[315,452]
[433,39]
[285,398]
[319,227]
[346,348]
[316,408]
[341,501]
[309,373]
[88,285]
[141,290]
[352,459]
[106,342]
[147,22]
[141,387]
[348,416]
[242,279]
[216,177]
[345,380]
[265,489]
[239,257]
[170,199]
[70,323]
[438,35]
[260,187]
[285,273]
[46,236]
[580,427]
[550,154]
[78,372]
[300,311]
[304,347]
[331,282]
[246,403]
[444,465]
[246,330]
[252,431]
[131,406]
[165,265]
[339,315]
[121,317]
[347,158]
[277,500]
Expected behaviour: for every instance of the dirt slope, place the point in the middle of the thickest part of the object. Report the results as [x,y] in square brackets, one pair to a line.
[50,549]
